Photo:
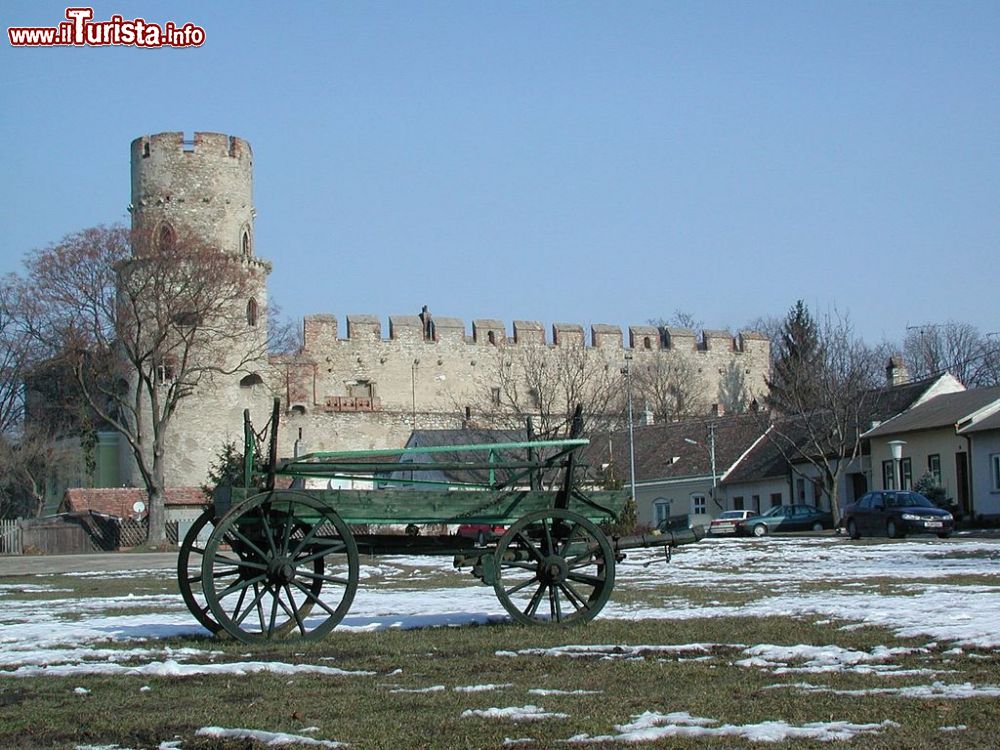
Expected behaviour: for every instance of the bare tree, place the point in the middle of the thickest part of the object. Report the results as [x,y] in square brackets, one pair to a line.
[824,392]
[669,386]
[733,394]
[547,384]
[141,322]
[958,348]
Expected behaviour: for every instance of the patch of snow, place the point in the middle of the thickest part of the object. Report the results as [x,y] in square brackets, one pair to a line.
[481,688]
[269,739]
[652,726]
[936,690]
[543,692]
[514,713]
[176,669]
[431,689]
[81,691]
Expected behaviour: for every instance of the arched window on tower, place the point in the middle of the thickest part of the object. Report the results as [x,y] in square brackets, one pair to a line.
[165,237]
[252,312]
[245,244]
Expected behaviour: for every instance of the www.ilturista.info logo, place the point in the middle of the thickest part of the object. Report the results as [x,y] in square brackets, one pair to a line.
[79,30]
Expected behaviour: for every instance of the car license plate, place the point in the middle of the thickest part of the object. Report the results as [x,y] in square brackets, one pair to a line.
[933,524]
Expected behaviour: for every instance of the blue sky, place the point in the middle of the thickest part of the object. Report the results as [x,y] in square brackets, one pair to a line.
[561,161]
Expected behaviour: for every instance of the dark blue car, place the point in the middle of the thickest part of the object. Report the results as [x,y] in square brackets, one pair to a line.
[896,513]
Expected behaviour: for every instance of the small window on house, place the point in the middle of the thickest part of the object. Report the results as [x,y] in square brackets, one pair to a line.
[698,504]
[495,395]
[145,150]
[661,510]
[934,467]
[646,343]
[775,499]
[800,489]
[298,409]
[755,503]
[888,475]
[995,471]
[492,338]
[251,380]
[245,243]
[252,312]
[906,472]
[738,502]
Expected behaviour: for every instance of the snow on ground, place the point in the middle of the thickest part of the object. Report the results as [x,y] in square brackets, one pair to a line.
[893,585]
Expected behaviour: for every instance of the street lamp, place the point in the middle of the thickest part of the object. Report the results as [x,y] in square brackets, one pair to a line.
[711,455]
[896,446]
[627,372]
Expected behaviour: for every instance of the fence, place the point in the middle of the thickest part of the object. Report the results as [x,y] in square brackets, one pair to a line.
[10,537]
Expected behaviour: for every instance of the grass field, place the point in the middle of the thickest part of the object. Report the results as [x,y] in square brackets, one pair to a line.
[735,643]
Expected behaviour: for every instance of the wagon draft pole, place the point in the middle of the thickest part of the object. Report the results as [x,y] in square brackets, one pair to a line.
[284,562]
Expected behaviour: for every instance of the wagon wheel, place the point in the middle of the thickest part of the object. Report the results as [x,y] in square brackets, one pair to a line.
[554,566]
[188,581]
[272,561]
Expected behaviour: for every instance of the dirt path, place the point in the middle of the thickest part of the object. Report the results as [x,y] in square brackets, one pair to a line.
[32,564]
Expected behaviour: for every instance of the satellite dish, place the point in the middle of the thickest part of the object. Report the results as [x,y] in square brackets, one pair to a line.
[138,506]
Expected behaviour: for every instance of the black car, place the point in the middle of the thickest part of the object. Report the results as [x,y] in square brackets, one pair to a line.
[895,513]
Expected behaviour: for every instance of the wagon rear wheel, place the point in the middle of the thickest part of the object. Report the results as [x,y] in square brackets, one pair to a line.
[554,566]
[280,564]
[188,580]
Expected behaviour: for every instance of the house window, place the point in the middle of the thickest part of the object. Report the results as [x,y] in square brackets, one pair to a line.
[775,499]
[906,471]
[934,467]
[800,489]
[888,475]
[251,380]
[646,343]
[738,502]
[495,395]
[698,504]
[492,338]
[995,471]
[245,243]
[755,503]
[252,312]
[661,510]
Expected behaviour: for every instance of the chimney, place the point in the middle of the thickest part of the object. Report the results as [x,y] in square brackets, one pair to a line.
[895,372]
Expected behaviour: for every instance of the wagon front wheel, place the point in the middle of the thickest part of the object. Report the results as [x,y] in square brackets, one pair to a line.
[280,564]
[554,566]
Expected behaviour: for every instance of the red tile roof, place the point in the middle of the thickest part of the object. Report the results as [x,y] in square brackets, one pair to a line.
[119,501]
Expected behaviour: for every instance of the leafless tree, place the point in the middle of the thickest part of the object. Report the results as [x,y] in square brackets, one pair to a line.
[669,386]
[141,322]
[547,384]
[958,348]
[824,392]
[733,394]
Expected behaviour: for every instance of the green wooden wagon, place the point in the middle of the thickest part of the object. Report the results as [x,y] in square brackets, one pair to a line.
[283,562]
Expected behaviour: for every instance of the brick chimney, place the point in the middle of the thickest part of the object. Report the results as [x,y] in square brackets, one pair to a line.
[895,372]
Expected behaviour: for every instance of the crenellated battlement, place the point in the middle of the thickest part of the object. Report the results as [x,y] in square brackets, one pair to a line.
[321,332]
[174,146]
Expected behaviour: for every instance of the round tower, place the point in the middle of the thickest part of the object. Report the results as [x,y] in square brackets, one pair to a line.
[201,191]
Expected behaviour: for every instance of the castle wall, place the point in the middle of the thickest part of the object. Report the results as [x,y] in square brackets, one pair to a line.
[365,382]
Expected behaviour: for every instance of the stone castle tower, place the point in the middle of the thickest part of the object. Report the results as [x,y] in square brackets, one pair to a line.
[363,389]
[202,190]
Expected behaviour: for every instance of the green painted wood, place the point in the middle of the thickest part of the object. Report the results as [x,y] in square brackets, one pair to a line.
[387,506]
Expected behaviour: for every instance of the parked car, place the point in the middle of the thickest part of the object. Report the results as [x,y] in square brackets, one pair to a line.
[481,532]
[786,518]
[726,523]
[895,513]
